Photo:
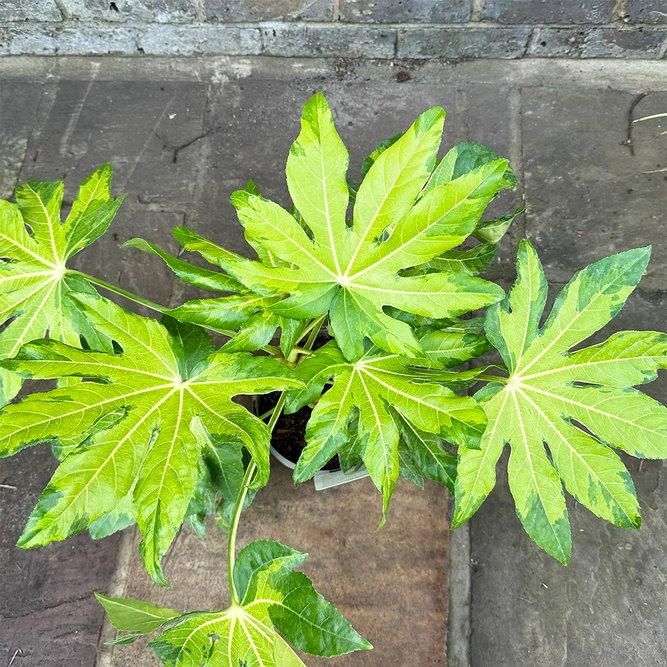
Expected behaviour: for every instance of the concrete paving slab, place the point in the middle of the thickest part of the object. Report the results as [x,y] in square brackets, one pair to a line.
[20,103]
[588,194]
[48,615]
[606,608]
[391,584]
[135,125]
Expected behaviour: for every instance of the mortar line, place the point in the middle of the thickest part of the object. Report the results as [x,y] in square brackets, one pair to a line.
[472,24]
[477,10]
[459,624]
[620,10]
[517,155]
[200,10]
[663,50]
[104,657]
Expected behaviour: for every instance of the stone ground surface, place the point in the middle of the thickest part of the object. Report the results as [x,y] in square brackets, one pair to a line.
[182,135]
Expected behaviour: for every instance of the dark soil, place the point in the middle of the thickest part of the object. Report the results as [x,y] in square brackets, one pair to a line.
[289,434]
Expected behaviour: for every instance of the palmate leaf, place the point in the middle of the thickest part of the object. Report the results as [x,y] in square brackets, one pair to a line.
[35,246]
[272,598]
[578,403]
[364,390]
[353,271]
[166,380]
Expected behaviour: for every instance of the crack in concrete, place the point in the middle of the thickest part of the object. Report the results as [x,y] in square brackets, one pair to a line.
[177,149]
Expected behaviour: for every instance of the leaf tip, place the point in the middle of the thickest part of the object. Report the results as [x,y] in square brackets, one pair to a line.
[564,559]
[135,242]
[157,575]
[365,645]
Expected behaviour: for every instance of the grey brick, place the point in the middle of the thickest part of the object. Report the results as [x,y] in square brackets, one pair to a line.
[202,38]
[647,11]
[161,11]
[268,10]
[4,42]
[548,11]
[406,11]
[35,10]
[557,42]
[44,41]
[624,43]
[597,43]
[455,43]
[321,40]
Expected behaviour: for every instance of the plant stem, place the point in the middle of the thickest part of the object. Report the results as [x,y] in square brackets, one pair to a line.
[250,471]
[238,508]
[233,528]
[271,349]
[317,325]
[119,290]
[491,378]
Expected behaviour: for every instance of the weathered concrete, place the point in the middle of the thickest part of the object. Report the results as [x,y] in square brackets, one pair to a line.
[647,11]
[588,194]
[328,40]
[331,39]
[563,124]
[40,10]
[199,38]
[383,29]
[159,11]
[48,615]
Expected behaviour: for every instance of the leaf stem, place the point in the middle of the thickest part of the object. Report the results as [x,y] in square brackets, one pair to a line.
[238,507]
[271,349]
[491,378]
[119,290]
[250,471]
[233,528]
[317,325]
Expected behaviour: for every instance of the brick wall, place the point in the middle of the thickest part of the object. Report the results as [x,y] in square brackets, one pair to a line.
[385,29]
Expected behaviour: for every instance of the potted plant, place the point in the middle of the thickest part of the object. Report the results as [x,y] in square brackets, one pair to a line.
[143,420]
